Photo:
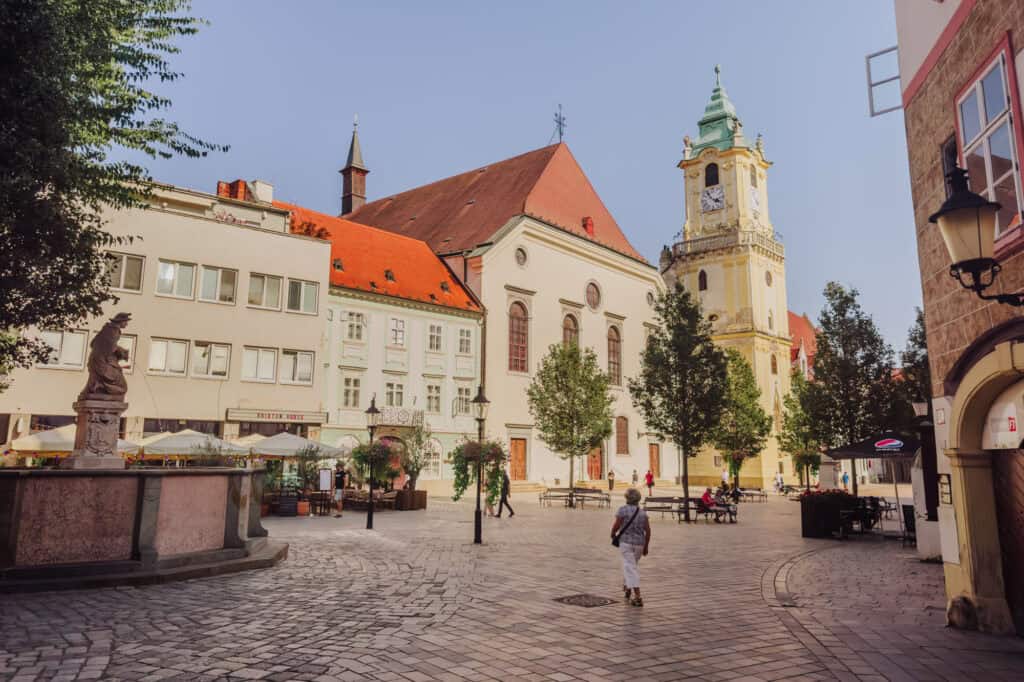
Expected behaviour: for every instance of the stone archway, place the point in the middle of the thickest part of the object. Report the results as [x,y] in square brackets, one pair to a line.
[976,584]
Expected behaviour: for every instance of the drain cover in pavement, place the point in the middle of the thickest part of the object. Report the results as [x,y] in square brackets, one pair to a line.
[585,600]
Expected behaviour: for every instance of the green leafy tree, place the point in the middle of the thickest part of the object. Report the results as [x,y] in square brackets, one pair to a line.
[74,87]
[308,462]
[853,395]
[798,437]
[682,385]
[570,403]
[744,426]
[416,452]
[372,461]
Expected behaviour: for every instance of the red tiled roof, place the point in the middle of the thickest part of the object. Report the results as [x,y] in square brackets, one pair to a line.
[465,210]
[366,253]
[803,333]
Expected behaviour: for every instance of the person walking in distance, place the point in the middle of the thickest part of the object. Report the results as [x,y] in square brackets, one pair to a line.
[611,479]
[631,533]
[636,479]
[649,482]
[339,487]
[503,502]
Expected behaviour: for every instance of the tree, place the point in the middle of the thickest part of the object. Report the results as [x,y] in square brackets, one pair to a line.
[916,385]
[308,462]
[743,427]
[853,395]
[416,452]
[570,404]
[373,461]
[72,90]
[682,384]
[798,436]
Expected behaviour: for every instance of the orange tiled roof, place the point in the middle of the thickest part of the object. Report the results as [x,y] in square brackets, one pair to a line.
[803,333]
[465,210]
[366,254]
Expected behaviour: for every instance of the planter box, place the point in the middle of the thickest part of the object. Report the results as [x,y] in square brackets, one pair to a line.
[819,514]
[410,500]
[302,508]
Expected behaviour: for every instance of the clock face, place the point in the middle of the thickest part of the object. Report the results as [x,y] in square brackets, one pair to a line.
[755,199]
[712,199]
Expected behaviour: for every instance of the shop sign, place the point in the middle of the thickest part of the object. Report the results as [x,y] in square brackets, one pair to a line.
[283,416]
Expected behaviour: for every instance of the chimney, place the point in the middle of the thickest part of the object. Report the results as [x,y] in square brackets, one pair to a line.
[263,191]
[588,225]
[353,175]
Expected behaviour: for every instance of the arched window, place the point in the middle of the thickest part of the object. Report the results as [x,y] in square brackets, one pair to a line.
[771,320]
[518,337]
[432,457]
[621,436]
[753,176]
[711,175]
[614,356]
[775,365]
[570,330]
[702,281]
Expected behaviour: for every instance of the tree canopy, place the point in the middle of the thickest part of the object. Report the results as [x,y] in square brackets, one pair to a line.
[570,403]
[75,83]
[744,426]
[798,437]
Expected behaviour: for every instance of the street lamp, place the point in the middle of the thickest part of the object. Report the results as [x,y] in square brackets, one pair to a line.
[967,222]
[480,405]
[372,421]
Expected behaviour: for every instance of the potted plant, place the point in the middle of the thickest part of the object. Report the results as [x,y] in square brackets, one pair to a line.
[414,458]
[820,511]
[464,460]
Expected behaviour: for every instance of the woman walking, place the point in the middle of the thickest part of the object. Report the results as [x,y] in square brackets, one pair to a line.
[631,533]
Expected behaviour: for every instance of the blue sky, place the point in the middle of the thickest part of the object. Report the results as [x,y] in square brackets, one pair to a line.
[443,87]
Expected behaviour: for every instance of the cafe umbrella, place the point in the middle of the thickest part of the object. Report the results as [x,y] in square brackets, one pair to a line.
[59,442]
[888,446]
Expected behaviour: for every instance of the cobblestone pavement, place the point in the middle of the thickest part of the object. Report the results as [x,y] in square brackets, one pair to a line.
[415,600]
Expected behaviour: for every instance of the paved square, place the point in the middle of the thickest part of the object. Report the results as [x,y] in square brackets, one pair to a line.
[415,600]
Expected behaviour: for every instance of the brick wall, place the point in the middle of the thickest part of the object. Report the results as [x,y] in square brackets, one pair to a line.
[955,317]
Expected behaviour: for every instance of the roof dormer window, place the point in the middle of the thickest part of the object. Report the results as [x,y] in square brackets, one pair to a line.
[445,288]
[389,275]
[337,265]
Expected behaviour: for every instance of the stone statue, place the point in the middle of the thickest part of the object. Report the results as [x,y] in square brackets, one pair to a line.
[106,378]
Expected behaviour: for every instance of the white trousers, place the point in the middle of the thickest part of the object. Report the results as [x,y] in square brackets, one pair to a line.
[630,558]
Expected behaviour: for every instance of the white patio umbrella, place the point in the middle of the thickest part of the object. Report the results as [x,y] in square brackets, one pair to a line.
[248,441]
[154,437]
[189,443]
[287,444]
[60,441]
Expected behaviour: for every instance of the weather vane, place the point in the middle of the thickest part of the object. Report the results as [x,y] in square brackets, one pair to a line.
[560,123]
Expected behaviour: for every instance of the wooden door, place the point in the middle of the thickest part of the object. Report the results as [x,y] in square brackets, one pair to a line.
[1008,481]
[518,459]
[654,455]
[595,468]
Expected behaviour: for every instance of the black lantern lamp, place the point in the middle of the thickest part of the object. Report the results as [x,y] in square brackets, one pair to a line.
[967,222]
[372,422]
[480,405]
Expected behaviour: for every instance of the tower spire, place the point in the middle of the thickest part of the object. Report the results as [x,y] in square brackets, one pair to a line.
[353,185]
[720,126]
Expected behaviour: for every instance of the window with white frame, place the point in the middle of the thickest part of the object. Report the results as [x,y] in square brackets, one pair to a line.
[127,342]
[988,141]
[397,336]
[175,279]
[302,296]
[465,341]
[394,394]
[462,399]
[67,348]
[124,271]
[432,465]
[168,356]
[718,461]
[351,387]
[434,398]
[296,367]
[265,291]
[356,323]
[434,338]
[210,359]
[217,284]
[259,364]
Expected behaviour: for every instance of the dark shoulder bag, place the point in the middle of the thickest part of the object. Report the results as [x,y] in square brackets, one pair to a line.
[615,538]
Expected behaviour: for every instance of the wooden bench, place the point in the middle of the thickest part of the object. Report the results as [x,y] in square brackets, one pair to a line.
[546,497]
[753,494]
[717,511]
[583,495]
[663,505]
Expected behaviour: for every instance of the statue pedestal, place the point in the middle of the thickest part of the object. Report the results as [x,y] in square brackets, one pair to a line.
[96,435]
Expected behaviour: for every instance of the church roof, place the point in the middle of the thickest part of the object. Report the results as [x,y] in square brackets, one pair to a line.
[720,127]
[804,335]
[382,262]
[466,210]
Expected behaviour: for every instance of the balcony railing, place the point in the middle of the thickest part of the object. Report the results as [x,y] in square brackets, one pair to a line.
[400,416]
[728,240]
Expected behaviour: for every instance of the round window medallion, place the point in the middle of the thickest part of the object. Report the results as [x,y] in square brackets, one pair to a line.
[650,298]
[521,256]
[712,318]
[768,277]
[593,296]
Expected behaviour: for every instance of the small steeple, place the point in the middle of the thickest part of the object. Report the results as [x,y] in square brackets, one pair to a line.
[720,122]
[353,190]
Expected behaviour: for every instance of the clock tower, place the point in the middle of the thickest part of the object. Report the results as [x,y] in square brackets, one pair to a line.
[730,258]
